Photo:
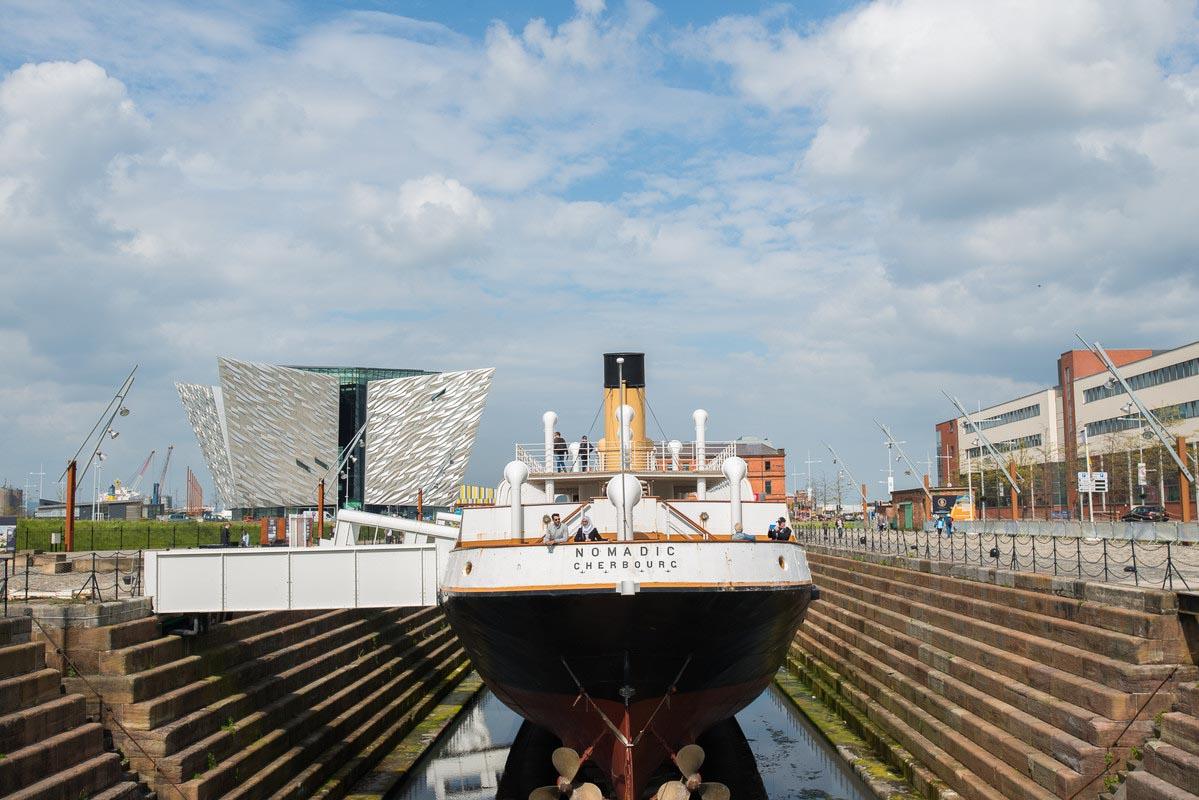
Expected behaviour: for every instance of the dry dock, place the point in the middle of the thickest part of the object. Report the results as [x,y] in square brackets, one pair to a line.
[929,678]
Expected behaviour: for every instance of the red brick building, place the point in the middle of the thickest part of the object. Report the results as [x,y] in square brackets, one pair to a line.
[766,467]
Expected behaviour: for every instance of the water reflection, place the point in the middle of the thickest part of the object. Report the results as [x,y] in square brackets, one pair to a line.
[769,752]
[469,763]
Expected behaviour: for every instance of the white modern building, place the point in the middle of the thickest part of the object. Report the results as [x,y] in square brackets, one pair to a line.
[381,438]
[1047,433]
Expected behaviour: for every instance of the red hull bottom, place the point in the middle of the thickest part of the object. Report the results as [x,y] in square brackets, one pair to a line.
[654,729]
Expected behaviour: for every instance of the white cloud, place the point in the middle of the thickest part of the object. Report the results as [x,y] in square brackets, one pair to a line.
[429,218]
[62,125]
[862,219]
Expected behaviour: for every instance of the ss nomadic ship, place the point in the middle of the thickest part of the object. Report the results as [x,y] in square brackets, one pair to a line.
[626,649]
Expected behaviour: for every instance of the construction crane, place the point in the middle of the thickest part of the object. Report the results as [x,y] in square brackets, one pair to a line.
[136,480]
[160,486]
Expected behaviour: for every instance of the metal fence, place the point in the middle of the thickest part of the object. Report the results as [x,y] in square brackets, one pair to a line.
[1138,531]
[96,576]
[1166,564]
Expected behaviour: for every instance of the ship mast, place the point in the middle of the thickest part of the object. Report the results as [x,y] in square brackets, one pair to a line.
[624,426]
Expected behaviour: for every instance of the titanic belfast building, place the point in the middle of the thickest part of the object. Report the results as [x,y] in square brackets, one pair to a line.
[269,434]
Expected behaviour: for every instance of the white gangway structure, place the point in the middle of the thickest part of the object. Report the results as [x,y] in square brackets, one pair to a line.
[338,574]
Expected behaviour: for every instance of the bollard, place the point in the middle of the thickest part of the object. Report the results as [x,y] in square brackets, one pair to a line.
[1105,572]
[1078,554]
[1135,577]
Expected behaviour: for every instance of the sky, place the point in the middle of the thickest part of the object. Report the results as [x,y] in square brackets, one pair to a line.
[807,216]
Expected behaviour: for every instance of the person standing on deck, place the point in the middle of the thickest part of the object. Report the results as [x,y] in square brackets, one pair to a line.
[559,452]
[585,453]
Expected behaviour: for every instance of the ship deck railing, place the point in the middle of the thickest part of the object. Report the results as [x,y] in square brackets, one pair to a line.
[652,457]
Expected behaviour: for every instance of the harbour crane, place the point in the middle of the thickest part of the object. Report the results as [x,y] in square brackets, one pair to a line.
[136,480]
[160,486]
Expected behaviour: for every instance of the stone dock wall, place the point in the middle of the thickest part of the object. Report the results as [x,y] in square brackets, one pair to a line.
[987,684]
[267,705]
[49,747]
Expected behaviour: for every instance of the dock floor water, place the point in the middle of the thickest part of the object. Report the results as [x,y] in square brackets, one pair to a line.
[771,753]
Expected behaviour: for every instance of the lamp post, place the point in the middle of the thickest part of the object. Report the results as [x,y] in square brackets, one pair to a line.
[811,501]
[1086,444]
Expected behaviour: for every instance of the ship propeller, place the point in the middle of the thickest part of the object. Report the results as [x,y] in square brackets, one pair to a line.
[689,759]
[566,762]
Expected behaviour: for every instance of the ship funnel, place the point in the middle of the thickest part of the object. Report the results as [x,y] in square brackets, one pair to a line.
[734,470]
[629,368]
[624,492]
[516,473]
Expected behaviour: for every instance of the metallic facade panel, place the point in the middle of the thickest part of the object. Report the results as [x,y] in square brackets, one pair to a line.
[419,434]
[281,424]
[199,402]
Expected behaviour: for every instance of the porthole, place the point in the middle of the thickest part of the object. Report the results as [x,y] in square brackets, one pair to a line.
[782,563]
[469,566]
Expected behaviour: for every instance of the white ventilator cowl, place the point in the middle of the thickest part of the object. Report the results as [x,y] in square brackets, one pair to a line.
[701,434]
[516,473]
[624,501]
[734,470]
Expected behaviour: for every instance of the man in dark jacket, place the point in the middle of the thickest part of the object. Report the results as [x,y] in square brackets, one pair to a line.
[559,453]
[781,532]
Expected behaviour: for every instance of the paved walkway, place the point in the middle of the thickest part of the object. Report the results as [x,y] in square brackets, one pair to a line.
[110,583]
[1173,566]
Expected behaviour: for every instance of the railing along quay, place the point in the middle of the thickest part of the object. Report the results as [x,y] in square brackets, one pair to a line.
[95,576]
[1168,563]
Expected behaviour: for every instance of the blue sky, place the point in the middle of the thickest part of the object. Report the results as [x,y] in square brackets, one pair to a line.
[808,215]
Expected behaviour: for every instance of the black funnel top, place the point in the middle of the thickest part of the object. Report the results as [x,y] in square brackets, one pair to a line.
[633,370]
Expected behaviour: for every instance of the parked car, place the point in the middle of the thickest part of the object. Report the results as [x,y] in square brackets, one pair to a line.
[178,516]
[1146,514]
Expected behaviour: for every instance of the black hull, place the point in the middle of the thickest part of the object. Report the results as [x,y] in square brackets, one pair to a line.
[712,650]
[643,641]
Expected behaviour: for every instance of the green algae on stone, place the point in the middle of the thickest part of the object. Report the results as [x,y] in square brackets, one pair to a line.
[880,778]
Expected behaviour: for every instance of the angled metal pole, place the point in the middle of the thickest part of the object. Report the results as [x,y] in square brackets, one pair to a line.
[848,474]
[1149,416]
[982,437]
[904,456]
[111,410]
